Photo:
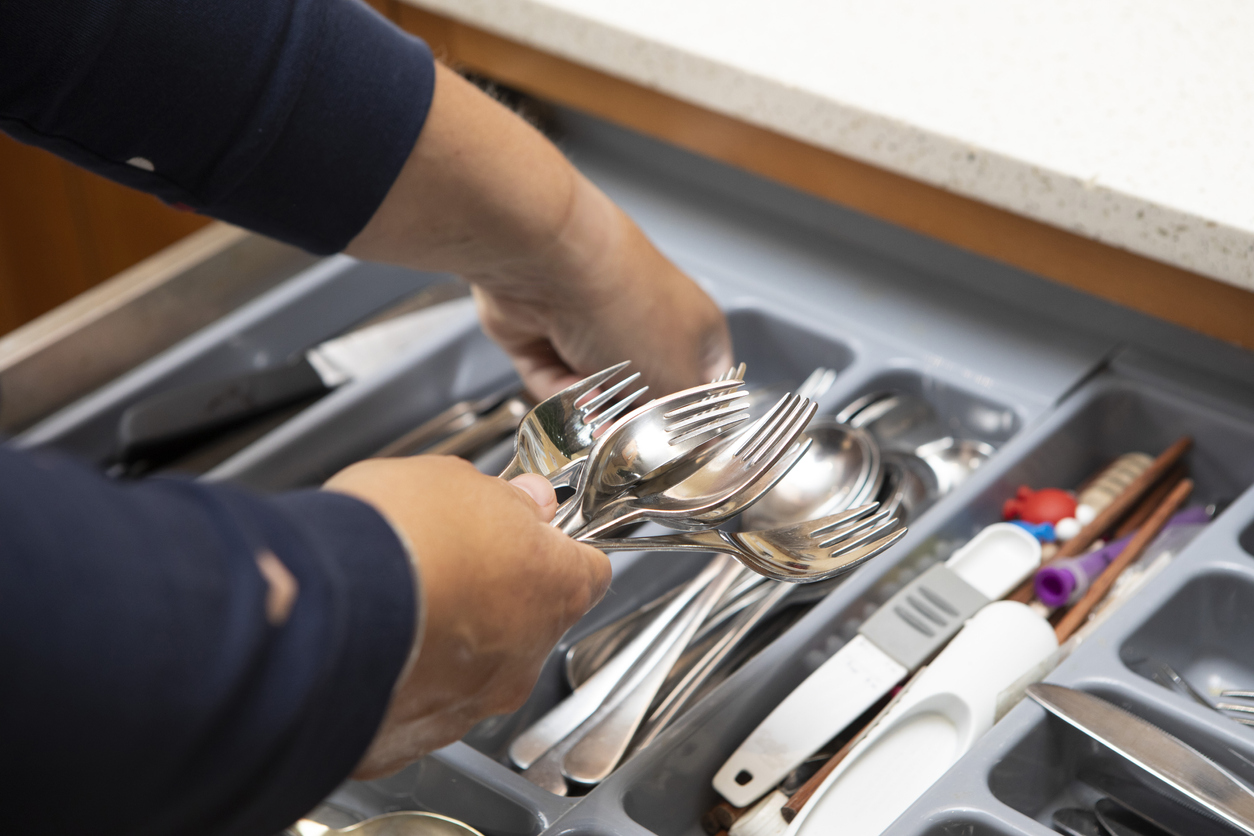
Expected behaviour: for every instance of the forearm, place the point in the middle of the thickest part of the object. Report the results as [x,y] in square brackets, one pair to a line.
[485,195]
[566,282]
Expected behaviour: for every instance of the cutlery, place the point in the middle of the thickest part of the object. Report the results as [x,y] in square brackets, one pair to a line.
[1167,814]
[1144,745]
[565,717]
[402,823]
[953,460]
[899,638]
[1119,821]
[603,740]
[1074,821]
[458,417]
[543,748]
[701,672]
[767,599]
[941,713]
[846,415]
[806,552]
[681,427]
[167,423]
[745,499]
[841,469]
[587,655]
[703,483]
[487,429]
[817,384]
[1167,675]
[561,429]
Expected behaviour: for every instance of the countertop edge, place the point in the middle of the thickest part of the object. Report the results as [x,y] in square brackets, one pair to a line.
[1091,210]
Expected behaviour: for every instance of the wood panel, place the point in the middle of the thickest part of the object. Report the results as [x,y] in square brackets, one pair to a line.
[1150,286]
[64,230]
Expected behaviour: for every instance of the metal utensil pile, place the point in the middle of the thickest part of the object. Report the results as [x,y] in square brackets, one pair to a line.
[818,497]
[691,461]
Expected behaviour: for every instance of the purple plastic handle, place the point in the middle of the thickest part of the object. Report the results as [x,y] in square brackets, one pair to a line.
[1064,581]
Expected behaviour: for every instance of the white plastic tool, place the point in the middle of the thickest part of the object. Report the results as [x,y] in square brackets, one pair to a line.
[940,715]
[898,639]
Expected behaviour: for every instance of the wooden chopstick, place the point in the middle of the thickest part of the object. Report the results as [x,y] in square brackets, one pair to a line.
[805,791]
[1079,612]
[1112,513]
[1149,502]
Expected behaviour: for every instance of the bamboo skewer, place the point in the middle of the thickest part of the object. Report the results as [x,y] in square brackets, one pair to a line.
[1151,501]
[1112,513]
[809,788]
[1079,612]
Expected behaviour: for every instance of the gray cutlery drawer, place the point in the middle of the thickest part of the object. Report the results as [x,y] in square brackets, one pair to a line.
[1058,382]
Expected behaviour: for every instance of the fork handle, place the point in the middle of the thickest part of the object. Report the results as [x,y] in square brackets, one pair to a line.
[694,541]
[514,468]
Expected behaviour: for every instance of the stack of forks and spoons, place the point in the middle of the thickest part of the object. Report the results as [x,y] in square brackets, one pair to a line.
[690,461]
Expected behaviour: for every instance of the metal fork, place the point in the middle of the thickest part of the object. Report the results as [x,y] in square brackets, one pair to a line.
[648,441]
[561,429]
[1243,714]
[801,553]
[706,481]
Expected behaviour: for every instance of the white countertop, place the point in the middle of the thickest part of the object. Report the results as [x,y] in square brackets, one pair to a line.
[1128,121]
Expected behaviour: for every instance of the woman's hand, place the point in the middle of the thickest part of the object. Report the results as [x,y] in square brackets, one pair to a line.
[565,281]
[499,588]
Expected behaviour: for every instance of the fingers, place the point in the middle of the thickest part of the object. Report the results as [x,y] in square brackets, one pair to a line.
[599,573]
[538,489]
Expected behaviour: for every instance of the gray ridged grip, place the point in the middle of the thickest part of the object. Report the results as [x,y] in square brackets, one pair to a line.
[922,617]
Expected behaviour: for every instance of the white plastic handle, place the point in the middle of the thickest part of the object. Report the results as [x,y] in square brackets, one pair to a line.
[996,560]
[940,715]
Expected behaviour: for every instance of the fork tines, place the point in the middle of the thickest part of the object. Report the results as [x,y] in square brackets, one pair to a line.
[1243,714]
[714,408]
[777,429]
[585,387]
[868,528]
[734,373]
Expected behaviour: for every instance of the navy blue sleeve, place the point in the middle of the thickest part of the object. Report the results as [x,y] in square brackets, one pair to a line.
[145,685]
[288,117]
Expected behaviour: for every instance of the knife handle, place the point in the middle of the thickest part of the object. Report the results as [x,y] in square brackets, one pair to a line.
[487,429]
[176,420]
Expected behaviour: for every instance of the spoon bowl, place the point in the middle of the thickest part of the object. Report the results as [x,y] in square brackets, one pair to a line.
[839,471]
[402,823]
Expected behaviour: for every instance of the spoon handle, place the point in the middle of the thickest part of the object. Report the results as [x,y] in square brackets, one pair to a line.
[696,541]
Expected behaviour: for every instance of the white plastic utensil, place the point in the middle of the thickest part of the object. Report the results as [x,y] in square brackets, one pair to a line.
[899,638]
[940,715]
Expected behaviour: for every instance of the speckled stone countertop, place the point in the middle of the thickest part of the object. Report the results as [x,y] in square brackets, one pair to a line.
[1127,121]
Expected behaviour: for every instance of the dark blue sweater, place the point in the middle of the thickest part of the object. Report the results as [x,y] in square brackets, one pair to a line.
[142,687]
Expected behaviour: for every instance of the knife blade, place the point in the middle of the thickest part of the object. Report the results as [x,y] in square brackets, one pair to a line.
[898,639]
[1146,746]
[172,422]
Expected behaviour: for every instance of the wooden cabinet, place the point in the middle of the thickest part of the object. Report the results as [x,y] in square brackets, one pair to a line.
[63,230]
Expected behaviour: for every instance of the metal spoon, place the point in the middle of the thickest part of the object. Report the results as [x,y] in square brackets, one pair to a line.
[561,428]
[650,439]
[704,484]
[403,823]
[953,460]
[838,472]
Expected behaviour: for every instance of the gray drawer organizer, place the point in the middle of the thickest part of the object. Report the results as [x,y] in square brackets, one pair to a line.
[1058,381]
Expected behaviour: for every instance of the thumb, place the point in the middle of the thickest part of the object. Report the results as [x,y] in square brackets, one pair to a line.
[539,491]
